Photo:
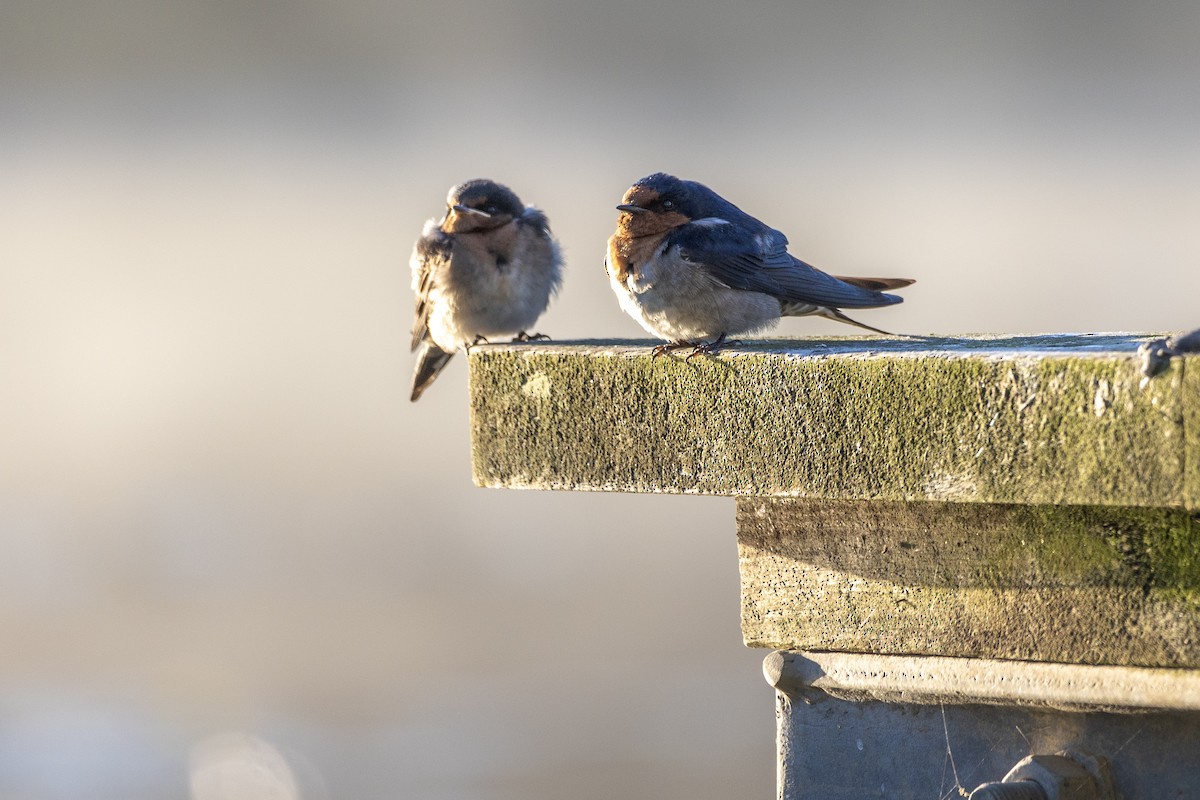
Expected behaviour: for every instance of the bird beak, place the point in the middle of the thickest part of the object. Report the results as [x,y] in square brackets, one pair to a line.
[631,209]
[475,211]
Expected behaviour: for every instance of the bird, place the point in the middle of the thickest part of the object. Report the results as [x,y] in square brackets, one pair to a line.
[693,269]
[487,268]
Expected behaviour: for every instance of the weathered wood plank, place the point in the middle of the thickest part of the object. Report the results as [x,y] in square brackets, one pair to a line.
[1064,419]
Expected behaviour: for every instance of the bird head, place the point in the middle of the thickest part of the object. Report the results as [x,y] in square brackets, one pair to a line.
[657,203]
[480,205]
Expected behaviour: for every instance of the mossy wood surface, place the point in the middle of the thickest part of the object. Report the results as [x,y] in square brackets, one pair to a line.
[1060,419]
[1082,585]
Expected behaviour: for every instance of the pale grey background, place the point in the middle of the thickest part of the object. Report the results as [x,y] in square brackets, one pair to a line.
[234,560]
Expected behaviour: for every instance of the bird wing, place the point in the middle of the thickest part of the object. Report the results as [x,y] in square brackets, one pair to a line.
[756,260]
[430,255]
[535,219]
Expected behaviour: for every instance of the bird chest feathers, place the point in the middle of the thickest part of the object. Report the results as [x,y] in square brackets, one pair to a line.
[627,254]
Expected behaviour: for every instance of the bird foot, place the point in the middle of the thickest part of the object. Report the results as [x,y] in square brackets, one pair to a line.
[480,339]
[698,348]
[522,336]
[710,348]
[669,347]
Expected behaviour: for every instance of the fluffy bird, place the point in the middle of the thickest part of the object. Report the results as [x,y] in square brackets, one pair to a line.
[693,268]
[488,268]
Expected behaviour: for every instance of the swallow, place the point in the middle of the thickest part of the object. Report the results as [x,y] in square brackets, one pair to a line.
[693,268]
[487,268]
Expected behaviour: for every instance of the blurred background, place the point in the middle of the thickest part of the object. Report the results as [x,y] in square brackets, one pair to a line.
[236,562]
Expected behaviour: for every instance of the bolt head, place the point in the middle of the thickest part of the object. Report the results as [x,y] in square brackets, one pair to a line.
[1062,778]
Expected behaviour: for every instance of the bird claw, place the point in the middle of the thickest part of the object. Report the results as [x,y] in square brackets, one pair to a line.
[479,339]
[698,348]
[670,347]
[710,348]
[522,336]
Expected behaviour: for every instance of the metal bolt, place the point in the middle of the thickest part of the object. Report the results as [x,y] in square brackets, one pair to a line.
[1051,777]
[1018,790]
[1060,777]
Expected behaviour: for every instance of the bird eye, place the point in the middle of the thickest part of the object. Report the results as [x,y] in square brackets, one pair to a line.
[667,204]
[491,209]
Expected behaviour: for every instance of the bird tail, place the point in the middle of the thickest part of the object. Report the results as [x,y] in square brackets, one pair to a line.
[836,314]
[431,359]
[877,284]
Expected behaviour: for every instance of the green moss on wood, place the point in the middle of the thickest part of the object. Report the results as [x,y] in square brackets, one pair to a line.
[1096,585]
[987,420]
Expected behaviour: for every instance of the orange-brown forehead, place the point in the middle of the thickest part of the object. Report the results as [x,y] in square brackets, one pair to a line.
[639,195]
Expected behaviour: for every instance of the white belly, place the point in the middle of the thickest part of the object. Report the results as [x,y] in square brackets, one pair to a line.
[677,301]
